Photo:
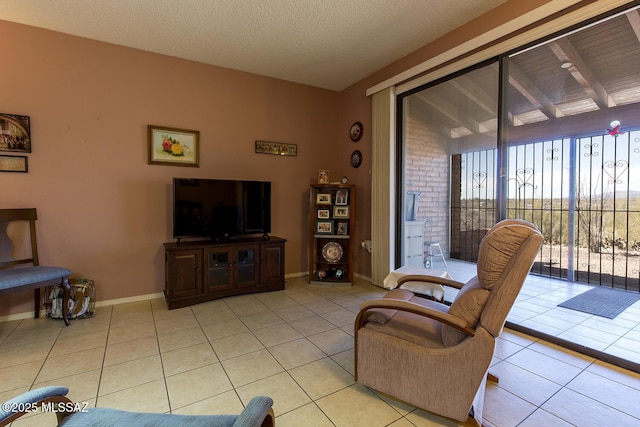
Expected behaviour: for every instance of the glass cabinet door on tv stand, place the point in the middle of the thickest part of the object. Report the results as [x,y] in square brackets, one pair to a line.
[331,222]
[227,266]
[218,268]
[246,266]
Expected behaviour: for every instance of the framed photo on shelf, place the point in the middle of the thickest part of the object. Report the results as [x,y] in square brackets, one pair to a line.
[324,213]
[342,197]
[343,228]
[341,212]
[171,146]
[323,199]
[324,227]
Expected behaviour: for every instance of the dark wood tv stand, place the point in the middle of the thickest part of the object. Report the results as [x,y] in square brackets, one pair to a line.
[205,270]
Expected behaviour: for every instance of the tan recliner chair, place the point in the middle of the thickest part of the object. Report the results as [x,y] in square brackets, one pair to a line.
[436,357]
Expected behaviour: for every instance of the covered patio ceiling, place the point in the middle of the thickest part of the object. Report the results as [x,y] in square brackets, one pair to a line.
[572,85]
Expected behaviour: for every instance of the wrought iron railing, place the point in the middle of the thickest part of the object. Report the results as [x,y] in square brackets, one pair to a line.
[582,193]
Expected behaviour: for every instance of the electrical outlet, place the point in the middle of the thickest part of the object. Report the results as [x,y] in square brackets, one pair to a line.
[366,245]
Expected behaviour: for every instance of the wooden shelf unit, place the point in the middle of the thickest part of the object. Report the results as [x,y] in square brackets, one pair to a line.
[331,224]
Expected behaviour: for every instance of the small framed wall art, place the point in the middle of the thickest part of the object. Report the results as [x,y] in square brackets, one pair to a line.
[172,146]
[15,133]
[277,148]
[14,164]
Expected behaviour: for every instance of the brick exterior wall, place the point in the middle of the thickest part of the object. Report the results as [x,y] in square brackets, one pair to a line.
[427,171]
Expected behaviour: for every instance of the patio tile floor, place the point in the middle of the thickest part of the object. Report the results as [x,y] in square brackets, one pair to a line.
[537,308]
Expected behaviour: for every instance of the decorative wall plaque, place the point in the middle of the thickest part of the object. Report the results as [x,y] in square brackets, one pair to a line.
[277,148]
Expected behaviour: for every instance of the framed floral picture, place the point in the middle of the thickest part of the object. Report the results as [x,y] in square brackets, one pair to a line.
[15,133]
[172,146]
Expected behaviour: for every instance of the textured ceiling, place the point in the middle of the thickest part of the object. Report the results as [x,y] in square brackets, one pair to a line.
[329,44]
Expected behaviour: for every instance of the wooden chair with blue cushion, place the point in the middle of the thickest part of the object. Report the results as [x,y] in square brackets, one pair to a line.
[24,273]
[257,413]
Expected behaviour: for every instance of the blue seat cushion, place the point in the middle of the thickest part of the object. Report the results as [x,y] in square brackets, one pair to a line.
[113,417]
[253,414]
[15,277]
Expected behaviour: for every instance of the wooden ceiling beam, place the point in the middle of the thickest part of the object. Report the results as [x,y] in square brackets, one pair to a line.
[581,72]
[476,94]
[450,111]
[529,90]
[421,111]
[634,19]
[480,97]
[592,122]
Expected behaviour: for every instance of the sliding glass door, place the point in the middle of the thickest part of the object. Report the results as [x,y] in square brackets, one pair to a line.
[449,134]
[562,151]
[573,163]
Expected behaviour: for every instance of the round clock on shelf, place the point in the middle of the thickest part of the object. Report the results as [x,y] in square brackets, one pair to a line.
[356,131]
[356,158]
[344,180]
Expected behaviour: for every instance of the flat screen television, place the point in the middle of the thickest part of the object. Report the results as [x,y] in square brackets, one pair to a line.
[220,208]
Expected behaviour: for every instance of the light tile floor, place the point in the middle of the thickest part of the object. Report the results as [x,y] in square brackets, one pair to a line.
[296,346]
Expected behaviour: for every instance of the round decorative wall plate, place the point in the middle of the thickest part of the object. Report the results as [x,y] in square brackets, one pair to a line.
[355,133]
[332,252]
[356,158]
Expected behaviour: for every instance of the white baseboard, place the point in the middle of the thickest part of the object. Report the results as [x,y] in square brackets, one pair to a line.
[19,316]
[129,299]
[43,313]
[306,273]
[363,277]
[294,275]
